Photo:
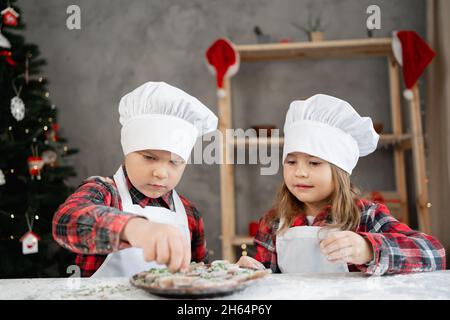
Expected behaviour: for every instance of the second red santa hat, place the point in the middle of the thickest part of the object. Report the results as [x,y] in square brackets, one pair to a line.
[413,54]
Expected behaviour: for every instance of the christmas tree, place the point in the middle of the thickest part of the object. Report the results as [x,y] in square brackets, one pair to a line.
[33,158]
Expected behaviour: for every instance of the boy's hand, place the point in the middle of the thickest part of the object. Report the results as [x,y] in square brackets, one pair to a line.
[162,243]
[347,246]
[250,263]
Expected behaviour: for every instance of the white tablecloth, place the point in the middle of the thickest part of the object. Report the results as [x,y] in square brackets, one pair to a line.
[429,285]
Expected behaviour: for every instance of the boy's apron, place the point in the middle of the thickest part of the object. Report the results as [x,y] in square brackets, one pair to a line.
[127,262]
[298,251]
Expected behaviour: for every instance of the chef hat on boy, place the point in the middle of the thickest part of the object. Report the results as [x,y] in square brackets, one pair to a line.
[328,128]
[159,116]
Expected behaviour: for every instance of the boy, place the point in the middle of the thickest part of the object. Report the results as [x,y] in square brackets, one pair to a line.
[136,221]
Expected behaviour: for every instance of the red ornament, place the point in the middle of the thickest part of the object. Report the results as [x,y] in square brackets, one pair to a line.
[10,17]
[53,133]
[35,165]
[55,128]
[7,55]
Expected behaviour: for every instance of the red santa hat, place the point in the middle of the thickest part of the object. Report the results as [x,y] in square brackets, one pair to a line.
[223,61]
[413,54]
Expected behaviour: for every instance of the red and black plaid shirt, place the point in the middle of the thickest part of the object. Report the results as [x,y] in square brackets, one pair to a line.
[396,247]
[91,220]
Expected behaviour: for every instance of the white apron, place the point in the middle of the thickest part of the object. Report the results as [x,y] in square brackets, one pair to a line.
[127,262]
[298,251]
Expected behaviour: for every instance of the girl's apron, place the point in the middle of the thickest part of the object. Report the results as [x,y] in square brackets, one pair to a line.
[298,251]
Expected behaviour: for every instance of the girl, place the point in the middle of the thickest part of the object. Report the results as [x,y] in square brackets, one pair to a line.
[318,223]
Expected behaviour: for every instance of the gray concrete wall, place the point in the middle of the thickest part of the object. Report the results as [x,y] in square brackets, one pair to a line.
[122,44]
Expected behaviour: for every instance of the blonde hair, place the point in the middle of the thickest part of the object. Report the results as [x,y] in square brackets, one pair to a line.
[345,213]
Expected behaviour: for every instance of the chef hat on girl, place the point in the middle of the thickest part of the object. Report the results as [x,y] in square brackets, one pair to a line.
[161,117]
[328,128]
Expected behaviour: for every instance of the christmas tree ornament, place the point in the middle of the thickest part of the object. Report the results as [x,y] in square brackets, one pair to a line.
[49,157]
[414,55]
[35,165]
[53,133]
[30,240]
[10,17]
[55,129]
[2,178]
[17,105]
[17,108]
[7,55]
[223,61]
[4,43]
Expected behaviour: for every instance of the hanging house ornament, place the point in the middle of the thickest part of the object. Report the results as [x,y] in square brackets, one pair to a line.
[30,243]
[17,105]
[10,17]
[30,240]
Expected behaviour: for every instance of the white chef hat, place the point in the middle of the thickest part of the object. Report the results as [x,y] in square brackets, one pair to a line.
[159,116]
[328,128]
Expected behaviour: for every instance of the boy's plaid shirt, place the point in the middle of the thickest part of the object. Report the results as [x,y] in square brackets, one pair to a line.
[396,247]
[90,221]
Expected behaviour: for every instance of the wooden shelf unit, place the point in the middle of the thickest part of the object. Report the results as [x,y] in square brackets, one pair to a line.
[400,141]
[317,49]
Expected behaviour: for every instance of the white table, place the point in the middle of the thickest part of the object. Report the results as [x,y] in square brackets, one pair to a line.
[430,285]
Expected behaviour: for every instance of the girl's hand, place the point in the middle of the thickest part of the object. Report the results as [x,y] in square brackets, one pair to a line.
[250,263]
[347,246]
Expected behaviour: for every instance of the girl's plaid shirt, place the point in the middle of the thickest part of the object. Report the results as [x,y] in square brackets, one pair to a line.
[397,248]
[90,221]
